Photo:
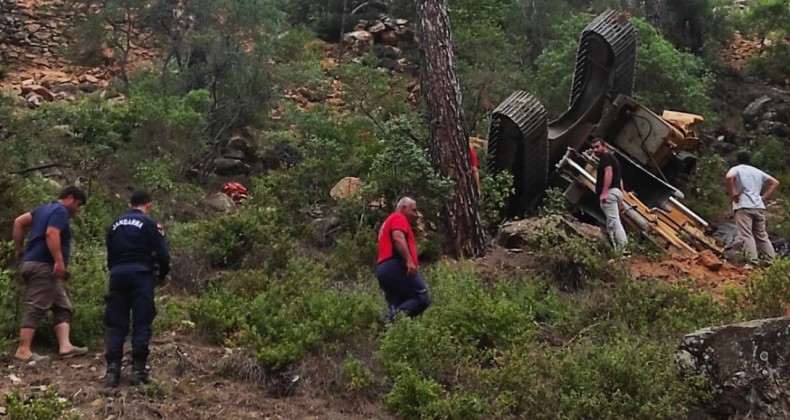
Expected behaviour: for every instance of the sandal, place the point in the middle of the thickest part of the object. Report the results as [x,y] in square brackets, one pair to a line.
[34,357]
[75,351]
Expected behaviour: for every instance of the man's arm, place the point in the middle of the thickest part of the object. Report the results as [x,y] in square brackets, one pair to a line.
[21,225]
[772,184]
[730,180]
[53,244]
[607,183]
[399,241]
[476,177]
[162,254]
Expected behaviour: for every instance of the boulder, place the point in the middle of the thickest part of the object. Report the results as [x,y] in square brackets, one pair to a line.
[346,188]
[230,167]
[221,203]
[38,90]
[748,363]
[709,260]
[519,233]
[756,108]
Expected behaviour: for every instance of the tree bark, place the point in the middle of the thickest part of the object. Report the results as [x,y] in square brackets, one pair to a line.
[653,13]
[449,136]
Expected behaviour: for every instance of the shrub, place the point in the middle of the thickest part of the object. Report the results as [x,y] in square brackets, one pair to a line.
[706,193]
[768,292]
[10,303]
[660,310]
[660,68]
[254,237]
[280,319]
[496,190]
[48,405]
[571,261]
[299,312]
[627,378]
[86,289]
[357,375]
[413,397]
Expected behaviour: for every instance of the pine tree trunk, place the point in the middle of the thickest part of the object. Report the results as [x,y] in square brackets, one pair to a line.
[653,12]
[449,136]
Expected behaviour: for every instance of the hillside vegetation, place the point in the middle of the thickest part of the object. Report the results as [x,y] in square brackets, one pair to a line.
[285,279]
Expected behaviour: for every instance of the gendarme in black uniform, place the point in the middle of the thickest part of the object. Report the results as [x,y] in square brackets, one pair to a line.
[137,255]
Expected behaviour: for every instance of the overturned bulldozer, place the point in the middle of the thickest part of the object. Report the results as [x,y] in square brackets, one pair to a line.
[657,153]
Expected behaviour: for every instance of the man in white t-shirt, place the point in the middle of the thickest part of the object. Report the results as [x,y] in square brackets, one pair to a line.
[745,187]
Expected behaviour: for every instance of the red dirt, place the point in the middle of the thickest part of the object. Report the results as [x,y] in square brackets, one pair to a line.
[691,272]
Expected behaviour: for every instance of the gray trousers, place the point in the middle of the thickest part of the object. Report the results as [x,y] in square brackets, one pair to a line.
[614,227]
[44,293]
[751,230]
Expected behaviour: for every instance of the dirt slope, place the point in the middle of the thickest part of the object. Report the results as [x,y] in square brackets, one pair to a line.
[190,386]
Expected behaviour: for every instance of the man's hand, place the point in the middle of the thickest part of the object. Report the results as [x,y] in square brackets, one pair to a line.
[59,270]
[735,197]
[411,268]
[603,197]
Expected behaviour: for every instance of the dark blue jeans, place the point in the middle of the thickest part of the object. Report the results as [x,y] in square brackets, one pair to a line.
[403,293]
[131,290]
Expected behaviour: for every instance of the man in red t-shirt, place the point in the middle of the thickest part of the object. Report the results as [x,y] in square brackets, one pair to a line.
[397,270]
[475,172]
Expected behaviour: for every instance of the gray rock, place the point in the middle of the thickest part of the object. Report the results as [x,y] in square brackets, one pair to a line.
[749,363]
[756,108]
[230,167]
[221,203]
[519,233]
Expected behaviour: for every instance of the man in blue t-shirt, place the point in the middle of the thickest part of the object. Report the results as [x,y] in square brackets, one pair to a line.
[45,260]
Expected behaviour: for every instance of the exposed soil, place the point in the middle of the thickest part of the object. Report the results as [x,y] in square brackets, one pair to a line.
[194,381]
[691,273]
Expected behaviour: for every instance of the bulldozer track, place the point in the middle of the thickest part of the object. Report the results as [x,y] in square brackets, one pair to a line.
[523,142]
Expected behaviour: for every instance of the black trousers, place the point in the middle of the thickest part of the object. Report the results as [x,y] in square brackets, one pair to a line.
[131,291]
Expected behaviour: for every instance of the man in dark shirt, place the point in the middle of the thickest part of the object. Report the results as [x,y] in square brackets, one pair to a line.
[609,189]
[44,263]
[138,258]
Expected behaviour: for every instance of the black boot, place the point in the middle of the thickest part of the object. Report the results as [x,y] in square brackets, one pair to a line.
[139,373]
[113,375]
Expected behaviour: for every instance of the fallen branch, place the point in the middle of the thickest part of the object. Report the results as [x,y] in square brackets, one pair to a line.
[36,168]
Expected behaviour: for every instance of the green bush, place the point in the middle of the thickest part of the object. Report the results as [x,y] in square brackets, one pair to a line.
[254,237]
[10,305]
[768,292]
[496,190]
[706,193]
[280,319]
[414,397]
[86,288]
[572,261]
[354,255]
[47,406]
[658,310]
[660,69]
[220,316]
[299,312]
[627,378]
[357,375]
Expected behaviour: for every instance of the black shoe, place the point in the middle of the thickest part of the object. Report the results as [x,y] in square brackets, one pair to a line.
[139,373]
[113,375]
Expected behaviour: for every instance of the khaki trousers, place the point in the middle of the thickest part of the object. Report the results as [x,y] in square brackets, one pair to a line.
[751,230]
